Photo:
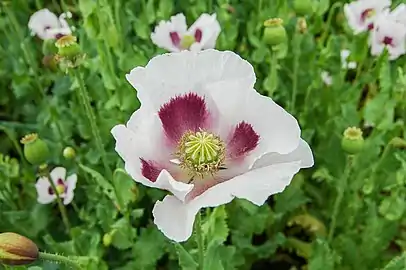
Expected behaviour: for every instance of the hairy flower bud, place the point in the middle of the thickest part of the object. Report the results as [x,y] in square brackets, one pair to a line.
[303,7]
[352,141]
[17,250]
[36,150]
[69,153]
[274,32]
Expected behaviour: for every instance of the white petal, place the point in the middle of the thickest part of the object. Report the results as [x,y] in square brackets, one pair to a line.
[210,28]
[42,187]
[399,13]
[176,73]
[279,132]
[161,37]
[326,78]
[71,185]
[41,19]
[132,146]
[174,218]
[58,173]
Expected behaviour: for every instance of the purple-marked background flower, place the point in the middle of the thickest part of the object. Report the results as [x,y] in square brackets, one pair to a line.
[46,25]
[174,35]
[388,33]
[204,134]
[64,185]
[361,14]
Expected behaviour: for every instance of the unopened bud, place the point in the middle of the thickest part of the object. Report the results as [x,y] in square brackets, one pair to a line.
[303,7]
[352,141]
[398,142]
[274,32]
[17,250]
[107,239]
[36,151]
[302,25]
[69,153]
[68,46]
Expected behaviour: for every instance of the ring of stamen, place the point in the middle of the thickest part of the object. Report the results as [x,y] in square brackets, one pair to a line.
[201,153]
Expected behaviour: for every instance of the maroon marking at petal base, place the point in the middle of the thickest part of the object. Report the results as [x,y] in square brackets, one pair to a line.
[388,41]
[175,38]
[149,170]
[198,35]
[60,182]
[59,35]
[364,14]
[243,140]
[183,113]
[50,191]
[370,26]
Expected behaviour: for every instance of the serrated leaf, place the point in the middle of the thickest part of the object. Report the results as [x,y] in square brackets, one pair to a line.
[215,227]
[124,188]
[124,234]
[101,181]
[186,261]
[322,257]
[398,263]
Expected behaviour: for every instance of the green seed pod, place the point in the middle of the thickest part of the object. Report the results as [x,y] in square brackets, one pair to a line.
[352,141]
[36,151]
[303,7]
[274,32]
[68,47]
[69,153]
[17,250]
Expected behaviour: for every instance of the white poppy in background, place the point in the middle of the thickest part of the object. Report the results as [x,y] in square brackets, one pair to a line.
[46,25]
[390,34]
[65,186]
[174,36]
[344,63]
[326,78]
[361,14]
[205,135]
[399,14]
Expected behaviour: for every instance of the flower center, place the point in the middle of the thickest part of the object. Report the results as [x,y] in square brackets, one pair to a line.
[388,41]
[187,41]
[60,189]
[201,153]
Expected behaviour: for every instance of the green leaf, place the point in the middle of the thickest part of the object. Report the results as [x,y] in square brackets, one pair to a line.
[101,181]
[322,257]
[397,263]
[124,188]
[215,227]
[212,259]
[186,261]
[124,234]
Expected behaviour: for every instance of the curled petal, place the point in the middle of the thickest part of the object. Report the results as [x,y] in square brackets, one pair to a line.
[70,187]
[43,187]
[58,174]
[206,30]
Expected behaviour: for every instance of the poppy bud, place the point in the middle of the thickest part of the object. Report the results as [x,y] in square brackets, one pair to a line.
[274,32]
[36,150]
[303,7]
[352,141]
[69,152]
[17,250]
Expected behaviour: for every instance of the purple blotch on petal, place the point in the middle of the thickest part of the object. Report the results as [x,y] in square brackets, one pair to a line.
[198,35]
[243,140]
[175,38]
[149,169]
[183,113]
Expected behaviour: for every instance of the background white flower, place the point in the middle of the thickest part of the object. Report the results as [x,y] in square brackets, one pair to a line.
[326,78]
[361,14]
[205,135]
[344,57]
[399,14]
[390,34]
[64,185]
[174,36]
[46,25]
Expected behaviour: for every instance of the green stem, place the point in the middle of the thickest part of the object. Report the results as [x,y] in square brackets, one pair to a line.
[296,56]
[85,100]
[328,23]
[200,240]
[59,259]
[342,186]
[273,73]
[61,207]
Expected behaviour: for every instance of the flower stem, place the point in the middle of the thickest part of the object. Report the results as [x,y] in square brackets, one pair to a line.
[61,207]
[273,73]
[84,99]
[296,55]
[342,186]
[328,22]
[200,240]
[59,259]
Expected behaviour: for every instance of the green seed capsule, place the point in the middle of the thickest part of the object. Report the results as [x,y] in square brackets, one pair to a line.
[36,151]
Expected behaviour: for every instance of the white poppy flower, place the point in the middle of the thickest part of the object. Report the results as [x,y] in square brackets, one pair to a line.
[326,78]
[174,36]
[361,14]
[390,34]
[344,63]
[205,135]
[65,186]
[46,25]
[399,14]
